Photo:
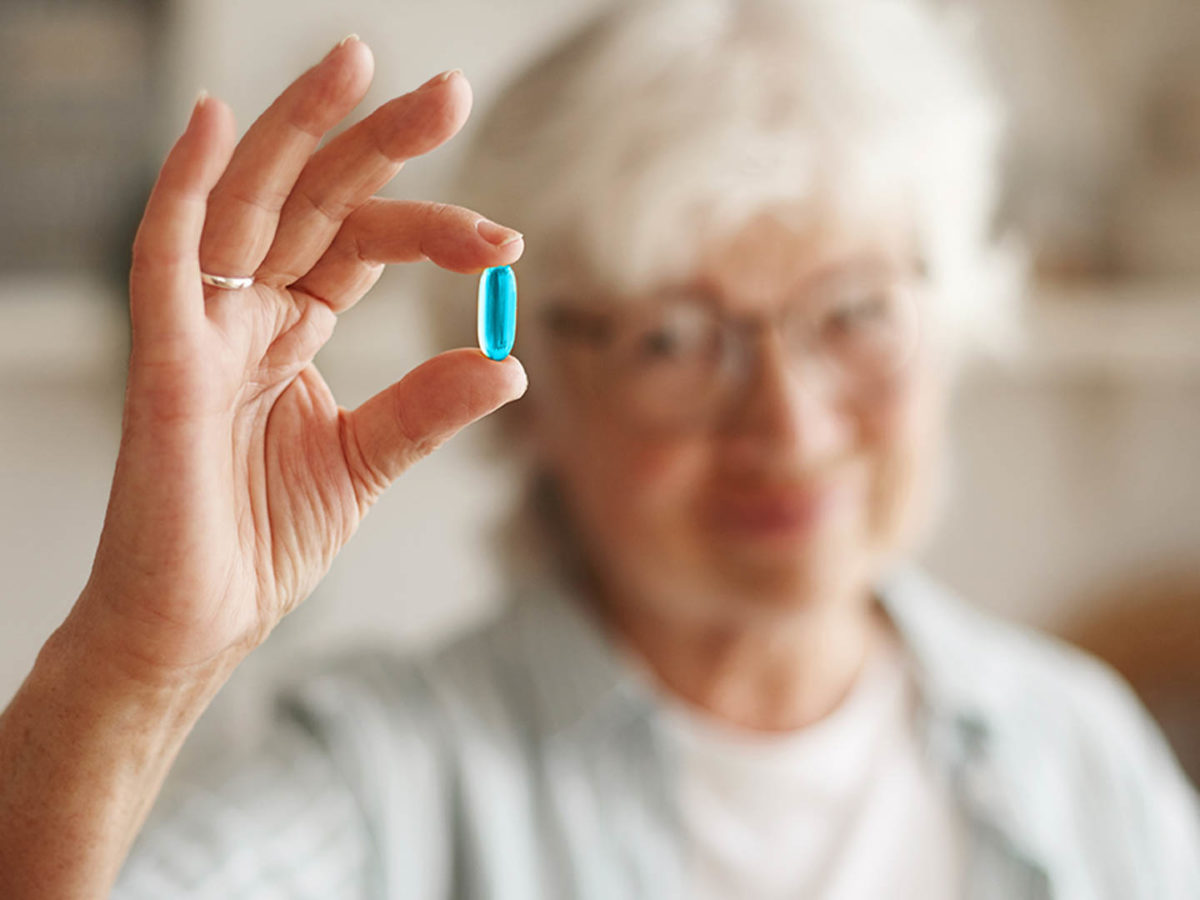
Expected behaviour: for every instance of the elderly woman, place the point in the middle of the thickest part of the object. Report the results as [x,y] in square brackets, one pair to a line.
[759,244]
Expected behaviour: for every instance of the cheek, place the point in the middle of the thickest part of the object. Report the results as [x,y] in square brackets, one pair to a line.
[902,444]
[656,483]
[630,492]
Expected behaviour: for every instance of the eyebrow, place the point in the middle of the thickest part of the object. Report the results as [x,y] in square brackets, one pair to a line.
[594,321]
[827,273]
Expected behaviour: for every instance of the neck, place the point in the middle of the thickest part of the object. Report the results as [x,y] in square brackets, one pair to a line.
[771,673]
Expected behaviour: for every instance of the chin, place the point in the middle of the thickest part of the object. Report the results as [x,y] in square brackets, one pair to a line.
[775,582]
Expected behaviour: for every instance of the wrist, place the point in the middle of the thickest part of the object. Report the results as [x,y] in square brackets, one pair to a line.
[99,688]
[95,693]
[145,654]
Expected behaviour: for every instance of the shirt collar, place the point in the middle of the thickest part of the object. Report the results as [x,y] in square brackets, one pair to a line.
[965,682]
[936,628]
[584,689]
[579,675]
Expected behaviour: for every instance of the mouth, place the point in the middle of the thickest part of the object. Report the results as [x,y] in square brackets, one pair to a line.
[784,513]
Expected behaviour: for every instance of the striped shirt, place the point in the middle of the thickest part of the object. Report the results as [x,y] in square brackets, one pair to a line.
[526,761]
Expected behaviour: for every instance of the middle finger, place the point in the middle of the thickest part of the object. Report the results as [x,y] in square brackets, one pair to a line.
[344,174]
[243,209]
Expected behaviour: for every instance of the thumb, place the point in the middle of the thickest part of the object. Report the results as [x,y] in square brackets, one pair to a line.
[412,418]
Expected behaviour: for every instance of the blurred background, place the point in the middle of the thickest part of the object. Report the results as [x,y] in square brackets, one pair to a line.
[1075,502]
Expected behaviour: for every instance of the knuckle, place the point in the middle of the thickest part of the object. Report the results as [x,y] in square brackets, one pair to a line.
[259,197]
[147,259]
[315,113]
[416,442]
[438,215]
[369,480]
[328,206]
[411,126]
[323,97]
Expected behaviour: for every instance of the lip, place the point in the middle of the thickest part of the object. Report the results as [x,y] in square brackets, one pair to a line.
[775,513]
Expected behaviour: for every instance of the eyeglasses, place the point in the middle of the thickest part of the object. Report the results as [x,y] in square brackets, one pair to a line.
[679,362]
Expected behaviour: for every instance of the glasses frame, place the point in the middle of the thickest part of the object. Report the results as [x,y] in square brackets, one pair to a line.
[596,326]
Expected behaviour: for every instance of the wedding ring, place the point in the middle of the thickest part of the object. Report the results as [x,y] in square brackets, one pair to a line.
[227,282]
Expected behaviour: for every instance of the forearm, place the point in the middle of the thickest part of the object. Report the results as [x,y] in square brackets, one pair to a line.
[84,749]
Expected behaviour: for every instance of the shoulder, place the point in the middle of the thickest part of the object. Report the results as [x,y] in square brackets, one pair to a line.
[1069,743]
[408,698]
[1046,688]
[1006,669]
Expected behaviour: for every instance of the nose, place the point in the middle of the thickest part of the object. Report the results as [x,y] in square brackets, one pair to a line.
[789,412]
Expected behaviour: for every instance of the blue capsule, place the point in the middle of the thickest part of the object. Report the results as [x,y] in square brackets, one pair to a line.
[497,311]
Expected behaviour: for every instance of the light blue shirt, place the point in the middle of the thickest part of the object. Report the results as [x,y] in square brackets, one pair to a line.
[526,761]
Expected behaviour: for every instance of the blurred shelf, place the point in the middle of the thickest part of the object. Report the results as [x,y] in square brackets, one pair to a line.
[1121,331]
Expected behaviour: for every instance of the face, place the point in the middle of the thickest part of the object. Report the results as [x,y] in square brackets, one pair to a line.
[807,472]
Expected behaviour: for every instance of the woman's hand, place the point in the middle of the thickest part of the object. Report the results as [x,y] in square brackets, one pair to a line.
[239,478]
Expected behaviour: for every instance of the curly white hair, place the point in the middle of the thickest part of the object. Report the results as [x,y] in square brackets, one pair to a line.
[661,124]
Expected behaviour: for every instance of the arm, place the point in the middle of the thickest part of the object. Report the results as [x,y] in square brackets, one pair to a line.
[238,478]
[84,752]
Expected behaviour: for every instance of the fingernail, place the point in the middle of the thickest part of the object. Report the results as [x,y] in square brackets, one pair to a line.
[201,99]
[342,43]
[438,79]
[496,234]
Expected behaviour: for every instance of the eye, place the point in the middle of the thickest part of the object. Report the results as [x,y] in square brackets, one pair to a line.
[661,342]
[860,310]
[867,324]
[675,332]
[858,305]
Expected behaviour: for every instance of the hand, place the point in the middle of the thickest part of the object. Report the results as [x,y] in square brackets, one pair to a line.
[239,478]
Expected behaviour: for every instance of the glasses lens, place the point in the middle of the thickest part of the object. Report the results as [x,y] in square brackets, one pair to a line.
[667,362]
[864,325]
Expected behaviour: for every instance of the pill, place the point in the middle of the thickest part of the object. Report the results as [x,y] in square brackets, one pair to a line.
[497,311]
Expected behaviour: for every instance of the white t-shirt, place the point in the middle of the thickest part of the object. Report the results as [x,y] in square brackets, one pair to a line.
[845,809]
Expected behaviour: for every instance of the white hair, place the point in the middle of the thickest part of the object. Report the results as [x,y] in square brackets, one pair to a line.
[662,124]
